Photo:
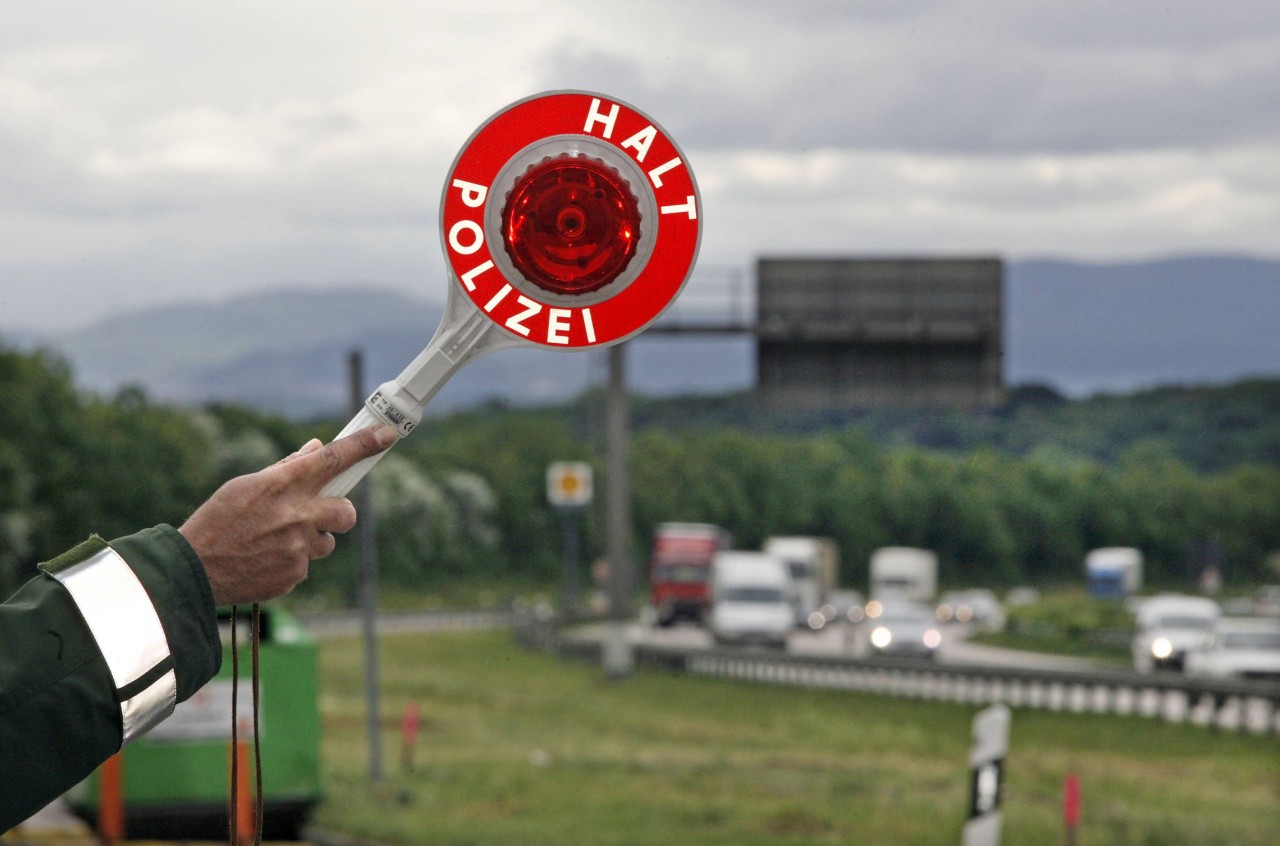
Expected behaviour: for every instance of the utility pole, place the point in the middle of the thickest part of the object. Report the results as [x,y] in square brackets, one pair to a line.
[619,660]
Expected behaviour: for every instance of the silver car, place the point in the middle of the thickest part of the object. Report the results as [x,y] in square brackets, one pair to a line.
[1243,647]
[977,608]
[899,628]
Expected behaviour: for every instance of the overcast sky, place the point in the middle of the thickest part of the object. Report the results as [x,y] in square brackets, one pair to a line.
[155,152]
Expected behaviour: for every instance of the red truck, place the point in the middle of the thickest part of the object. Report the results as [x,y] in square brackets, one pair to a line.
[680,569]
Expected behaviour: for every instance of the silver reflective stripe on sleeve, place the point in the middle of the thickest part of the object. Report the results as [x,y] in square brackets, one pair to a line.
[128,631]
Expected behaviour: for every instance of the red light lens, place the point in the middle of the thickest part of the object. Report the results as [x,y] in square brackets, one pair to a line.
[570,225]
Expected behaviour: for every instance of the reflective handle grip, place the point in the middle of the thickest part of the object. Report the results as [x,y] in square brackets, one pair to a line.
[342,484]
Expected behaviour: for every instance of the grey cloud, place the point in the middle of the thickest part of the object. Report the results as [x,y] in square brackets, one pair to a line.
[1007,87]
[1178,24]
[925,123]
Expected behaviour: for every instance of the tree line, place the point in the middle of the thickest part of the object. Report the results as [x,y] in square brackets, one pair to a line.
[994,519]
[1209,428]
[465,495]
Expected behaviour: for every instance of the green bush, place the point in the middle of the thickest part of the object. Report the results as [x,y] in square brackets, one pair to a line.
[1071,621]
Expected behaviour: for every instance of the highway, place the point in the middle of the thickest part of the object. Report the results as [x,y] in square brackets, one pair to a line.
[962,672]
[833,641]
[837,640]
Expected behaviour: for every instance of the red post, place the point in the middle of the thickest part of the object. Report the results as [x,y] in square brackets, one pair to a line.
[1071,806]
[409,725]
[243,810]
[111,800]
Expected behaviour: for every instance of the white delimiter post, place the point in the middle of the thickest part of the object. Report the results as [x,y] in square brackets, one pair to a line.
[986,774]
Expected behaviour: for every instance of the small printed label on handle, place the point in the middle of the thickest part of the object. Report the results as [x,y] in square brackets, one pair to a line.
[390,413]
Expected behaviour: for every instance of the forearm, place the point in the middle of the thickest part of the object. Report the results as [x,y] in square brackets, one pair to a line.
[72,689]
[59,717]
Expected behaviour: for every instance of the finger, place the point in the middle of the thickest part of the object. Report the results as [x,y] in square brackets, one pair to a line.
[309,447]
[320,466]
[333,515]
[322,544]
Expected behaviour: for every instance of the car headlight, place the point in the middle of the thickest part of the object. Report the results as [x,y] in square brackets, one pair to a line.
[881,637]
[932,638]
[817,620]
[1161,648]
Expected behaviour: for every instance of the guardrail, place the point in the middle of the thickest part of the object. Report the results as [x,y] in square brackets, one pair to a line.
[1245,706]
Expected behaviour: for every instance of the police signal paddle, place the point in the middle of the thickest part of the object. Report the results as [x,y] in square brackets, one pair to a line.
[569,220]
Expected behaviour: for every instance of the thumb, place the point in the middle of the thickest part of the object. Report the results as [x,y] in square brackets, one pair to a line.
[320,466]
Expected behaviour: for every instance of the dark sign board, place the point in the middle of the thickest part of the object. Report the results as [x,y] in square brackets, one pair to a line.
[852,333]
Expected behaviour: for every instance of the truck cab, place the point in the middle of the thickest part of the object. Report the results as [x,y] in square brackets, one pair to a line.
[813,564]
[680,570]
[904,572]
[1113,572]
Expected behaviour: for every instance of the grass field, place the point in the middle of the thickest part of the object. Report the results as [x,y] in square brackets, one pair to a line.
[518,747]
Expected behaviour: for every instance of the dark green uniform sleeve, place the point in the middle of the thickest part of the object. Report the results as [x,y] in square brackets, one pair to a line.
[60,709]
[179,589]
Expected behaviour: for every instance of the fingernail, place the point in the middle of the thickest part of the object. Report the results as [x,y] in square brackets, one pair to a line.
[384,436]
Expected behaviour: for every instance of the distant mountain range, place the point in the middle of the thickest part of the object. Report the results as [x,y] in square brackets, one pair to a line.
[1085,328]
[1081,328]
[287,350]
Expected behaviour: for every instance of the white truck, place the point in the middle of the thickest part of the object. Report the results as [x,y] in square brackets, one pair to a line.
[1113,572]
[750,599]
[814,565]
[905,572]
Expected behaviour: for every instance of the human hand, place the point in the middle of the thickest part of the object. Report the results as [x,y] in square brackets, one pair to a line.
[257,534]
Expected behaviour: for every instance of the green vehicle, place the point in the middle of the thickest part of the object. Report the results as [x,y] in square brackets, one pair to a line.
[176,778]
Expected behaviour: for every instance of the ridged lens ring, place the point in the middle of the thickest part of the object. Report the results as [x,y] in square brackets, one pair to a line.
[571,224]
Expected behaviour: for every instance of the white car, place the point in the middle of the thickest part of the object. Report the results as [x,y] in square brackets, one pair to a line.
[842,606]
[978,608]
[1267,601]
[1242,647]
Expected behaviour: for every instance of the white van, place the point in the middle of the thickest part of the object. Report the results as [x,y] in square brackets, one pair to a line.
[751,599]
[1169,627]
